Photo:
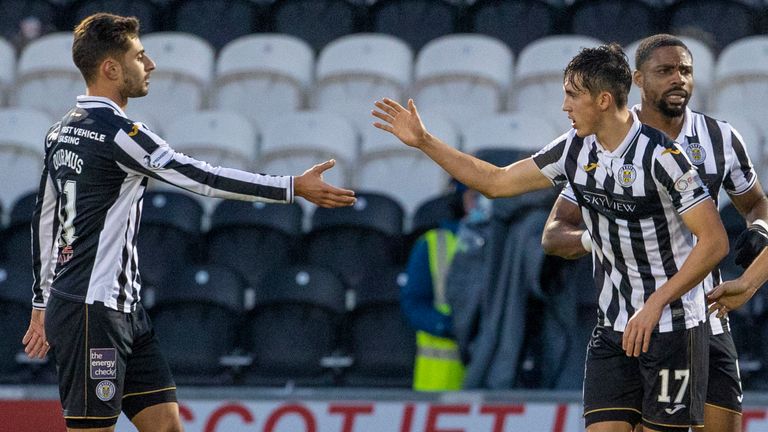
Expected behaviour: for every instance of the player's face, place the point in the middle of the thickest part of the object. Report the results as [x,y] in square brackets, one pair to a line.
[582,109]
[137,66]
[666,80]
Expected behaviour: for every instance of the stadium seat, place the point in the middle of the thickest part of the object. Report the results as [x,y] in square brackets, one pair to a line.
[316,22]
[703,72]
[379,339]
[462,76]
[415,21]
[15,306]
[178,85]
[538,86]
[297,141]
[217,137]
[356,70]
[13,12]
[263,76]
[254,238]
[242,17]
[293,326]
[46,78]
[196,317]
[512,131]
[629,19]
[146,11]
[719,22]
[16,248]
[21,151]
[741,87]
[387,165]
[428,215]
[363,238]
[515,22]
[7,69]
[169,236]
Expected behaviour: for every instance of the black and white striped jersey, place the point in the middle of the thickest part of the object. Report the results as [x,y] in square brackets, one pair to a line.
[86,221]
[631,200]
[719,153]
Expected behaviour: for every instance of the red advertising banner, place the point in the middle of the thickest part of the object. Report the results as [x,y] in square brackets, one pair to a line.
[344,416]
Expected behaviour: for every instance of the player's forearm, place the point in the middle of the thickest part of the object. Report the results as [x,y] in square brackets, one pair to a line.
[564,240]
[704,257]
[757,273]
[758,211]
[473,172]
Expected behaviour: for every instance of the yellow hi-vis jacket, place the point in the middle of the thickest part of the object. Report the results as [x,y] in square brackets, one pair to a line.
[438,366]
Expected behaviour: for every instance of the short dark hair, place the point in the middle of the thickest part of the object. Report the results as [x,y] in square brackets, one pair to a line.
[100,36]
[603,68]
[651,43]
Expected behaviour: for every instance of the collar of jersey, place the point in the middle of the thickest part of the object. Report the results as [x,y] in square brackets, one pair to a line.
[84,101]
[687,129]
[628,139]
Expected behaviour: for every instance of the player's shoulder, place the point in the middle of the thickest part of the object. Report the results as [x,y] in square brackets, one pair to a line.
[658,140]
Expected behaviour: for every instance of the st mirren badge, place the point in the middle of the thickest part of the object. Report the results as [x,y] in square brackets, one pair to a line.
[627,175]
[696,153]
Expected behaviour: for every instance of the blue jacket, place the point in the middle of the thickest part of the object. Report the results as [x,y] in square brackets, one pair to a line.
[417,298]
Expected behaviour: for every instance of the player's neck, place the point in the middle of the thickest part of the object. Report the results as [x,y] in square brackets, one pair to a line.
[614,129]
[109,92]
[671,126]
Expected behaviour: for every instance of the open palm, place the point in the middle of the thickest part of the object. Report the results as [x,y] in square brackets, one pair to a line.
[403,123]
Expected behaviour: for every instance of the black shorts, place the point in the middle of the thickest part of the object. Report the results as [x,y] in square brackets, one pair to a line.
[724,388]
[107,362]
[664,388]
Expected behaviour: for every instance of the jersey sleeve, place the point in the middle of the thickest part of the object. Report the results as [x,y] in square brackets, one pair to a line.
[141,151]
[677,177]
[551,160]
[45,231]
[741,174]
[568,194]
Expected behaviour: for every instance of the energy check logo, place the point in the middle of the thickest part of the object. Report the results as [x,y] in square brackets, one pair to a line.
[103,363]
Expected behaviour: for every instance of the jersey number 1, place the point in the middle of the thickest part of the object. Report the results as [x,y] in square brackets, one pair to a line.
[68,211]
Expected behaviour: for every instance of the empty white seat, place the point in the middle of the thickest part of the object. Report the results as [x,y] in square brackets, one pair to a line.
[538,85]
[297,141]
[515,131]
[220,138]
[356,70]
[7,68]
[262,76]
[391,167]
[741,78]
[703,72]
[184,68]
[462,76]
[46,77]
[22,145]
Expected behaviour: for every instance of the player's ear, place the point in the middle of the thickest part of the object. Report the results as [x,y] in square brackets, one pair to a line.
[110,69]
[638,79]
[605,99]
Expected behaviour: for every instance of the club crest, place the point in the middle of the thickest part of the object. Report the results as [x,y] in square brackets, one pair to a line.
[696,153]
[105,390]
[627,175]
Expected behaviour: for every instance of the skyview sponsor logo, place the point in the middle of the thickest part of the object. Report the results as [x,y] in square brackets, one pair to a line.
[607,202]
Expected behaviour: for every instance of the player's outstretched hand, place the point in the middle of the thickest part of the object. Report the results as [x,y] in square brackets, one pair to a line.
[403,123]
[35,344]
[729,296]
[311,187]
